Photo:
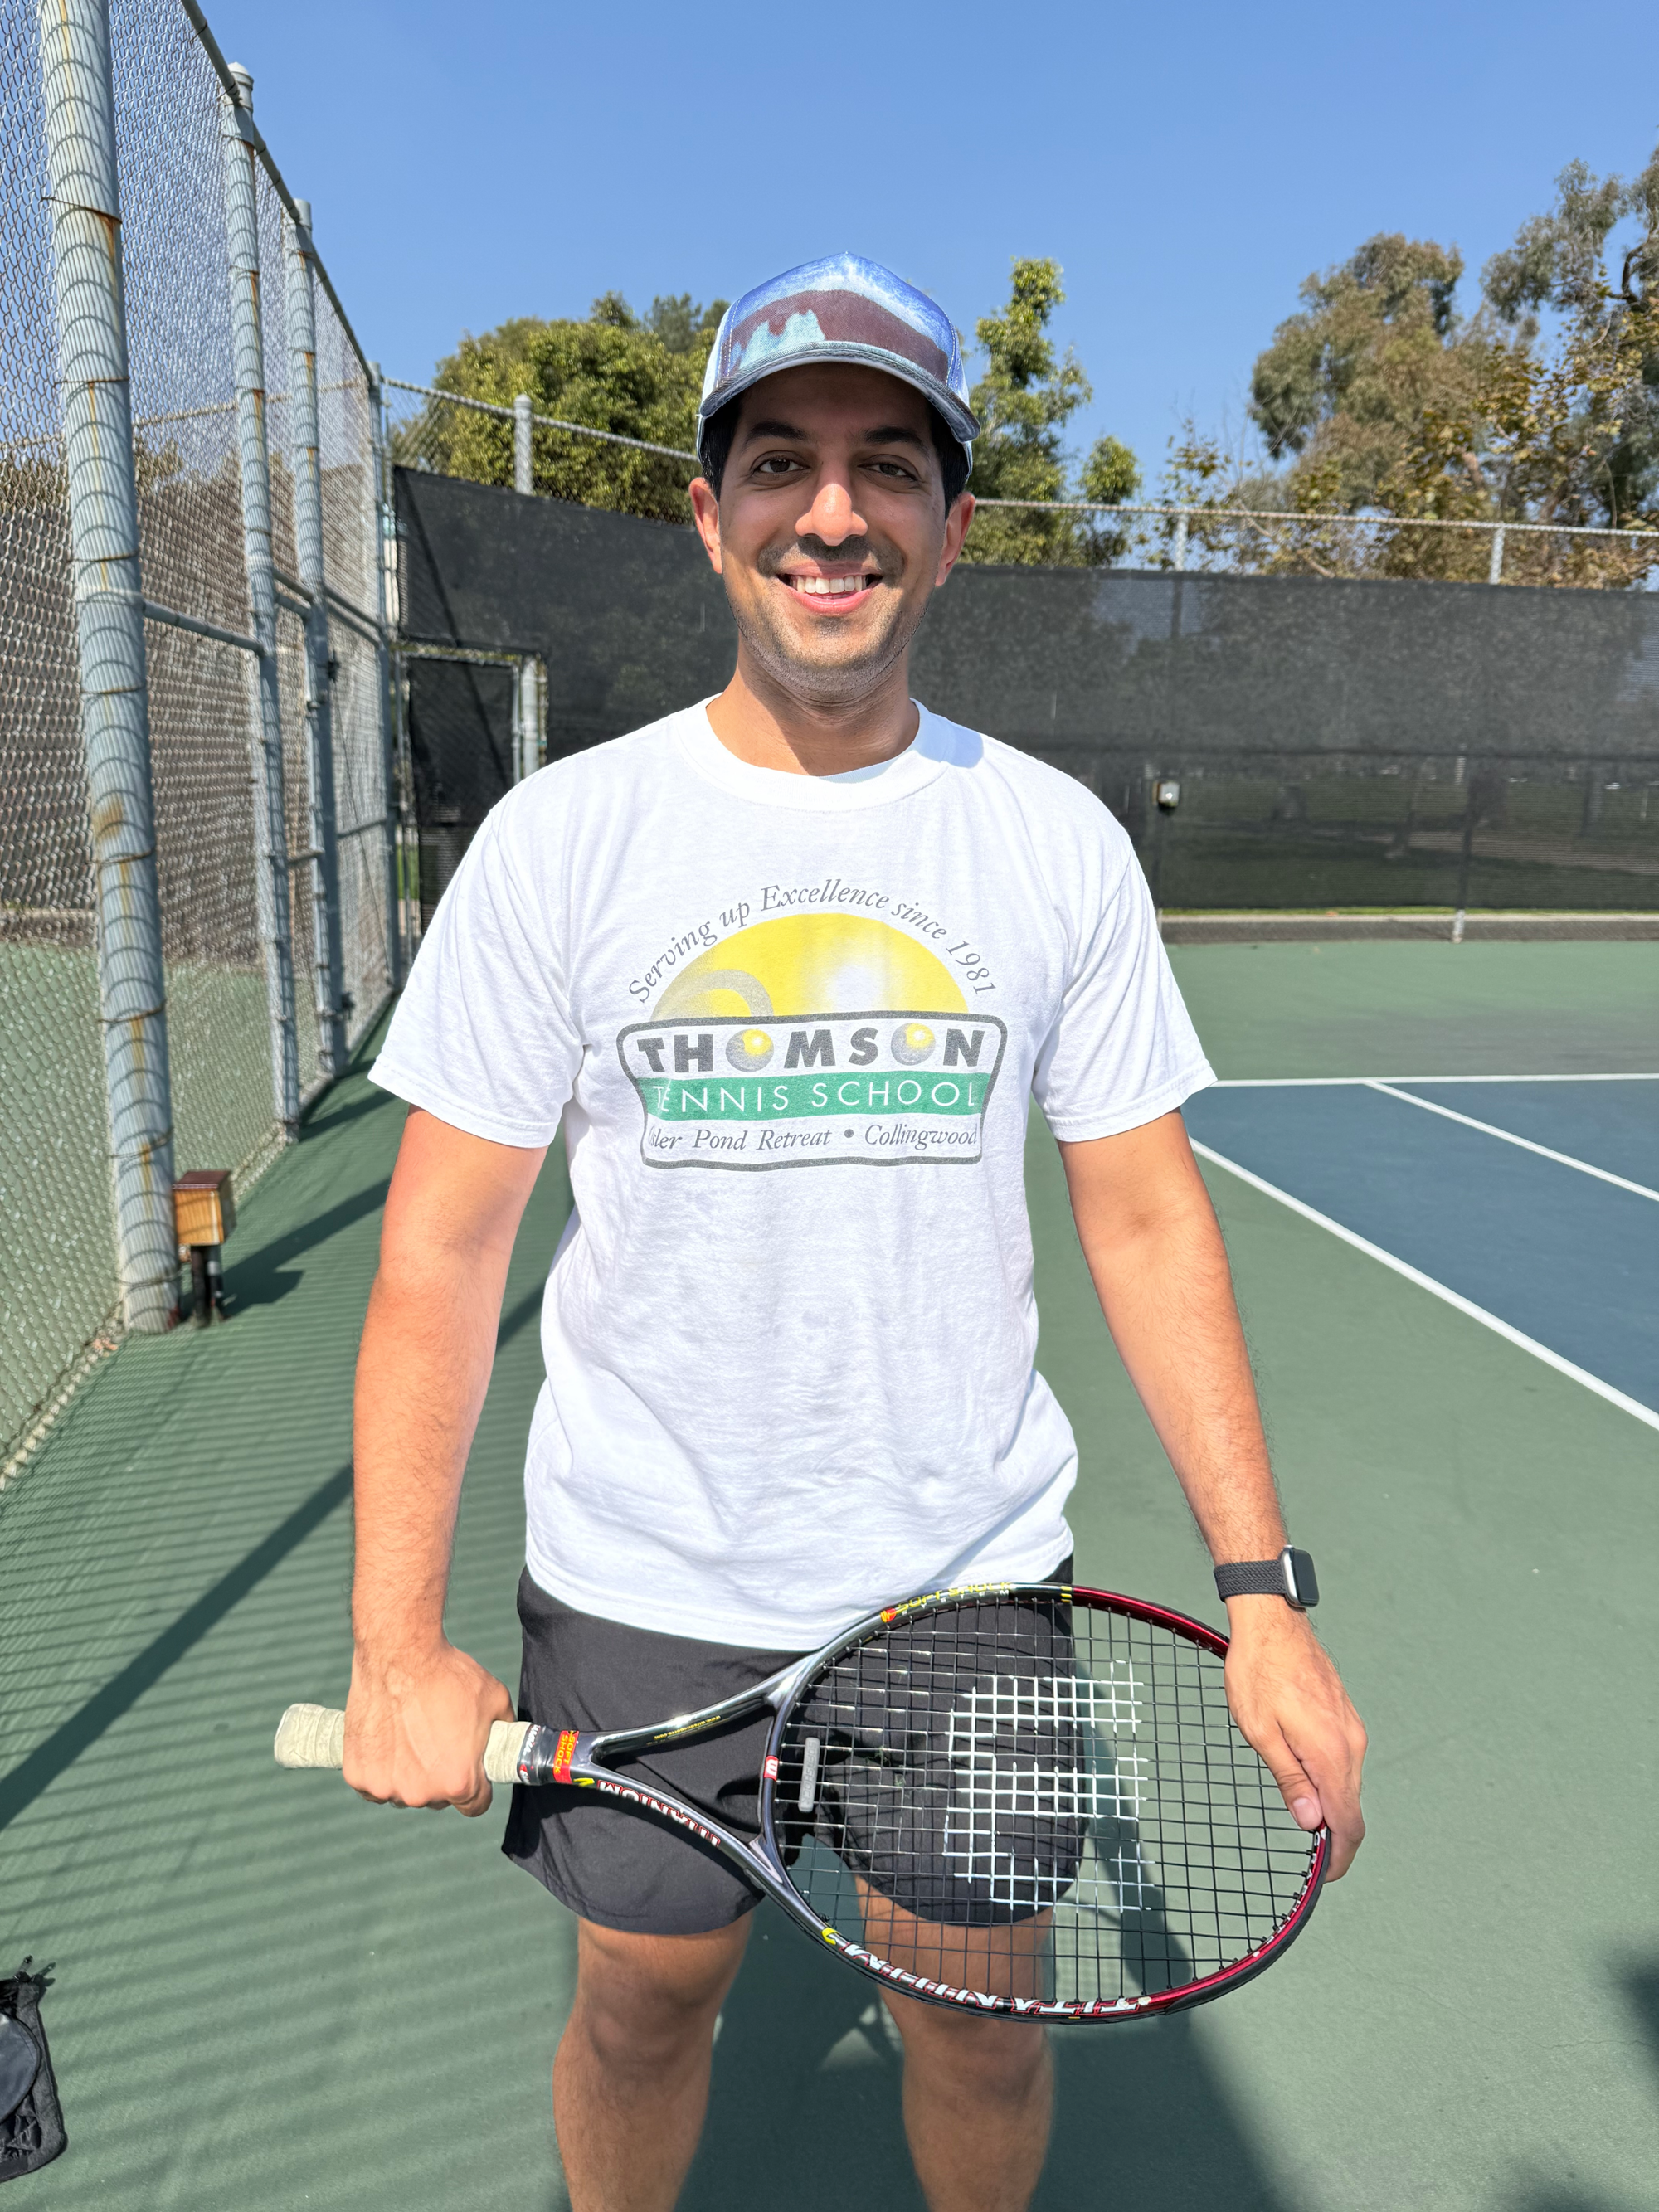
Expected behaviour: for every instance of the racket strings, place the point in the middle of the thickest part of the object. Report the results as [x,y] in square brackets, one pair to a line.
[1032,1798]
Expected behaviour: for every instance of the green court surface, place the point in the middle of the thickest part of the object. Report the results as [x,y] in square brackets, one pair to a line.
[270,1995]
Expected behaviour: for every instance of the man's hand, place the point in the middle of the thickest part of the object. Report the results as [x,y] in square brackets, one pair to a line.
[1290,1704]
[415,1729]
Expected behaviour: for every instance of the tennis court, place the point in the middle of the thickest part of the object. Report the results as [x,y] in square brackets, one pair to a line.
[268,1994]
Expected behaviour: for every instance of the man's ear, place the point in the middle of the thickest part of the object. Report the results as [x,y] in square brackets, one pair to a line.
[956,529]
[706,512]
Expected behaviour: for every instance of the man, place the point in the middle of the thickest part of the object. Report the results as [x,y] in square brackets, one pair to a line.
[789,1330]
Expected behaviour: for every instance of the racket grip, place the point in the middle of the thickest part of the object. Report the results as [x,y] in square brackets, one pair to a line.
[312,1735]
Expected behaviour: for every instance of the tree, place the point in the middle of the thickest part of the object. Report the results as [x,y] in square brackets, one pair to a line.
[640,376]
[1384,401]
[1025,400]
[1572,427]
[1346,379]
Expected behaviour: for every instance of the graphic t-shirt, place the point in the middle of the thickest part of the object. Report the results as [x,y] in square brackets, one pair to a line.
[791,1025]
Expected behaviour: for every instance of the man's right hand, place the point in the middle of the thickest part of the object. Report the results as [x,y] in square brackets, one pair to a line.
[416,1726]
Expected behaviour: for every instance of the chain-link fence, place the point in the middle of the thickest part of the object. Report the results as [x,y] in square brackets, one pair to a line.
[108,1096]
[443,434]
[449,434]
[1218,539]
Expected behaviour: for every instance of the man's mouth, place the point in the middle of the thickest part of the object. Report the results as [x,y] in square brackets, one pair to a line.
[841,589]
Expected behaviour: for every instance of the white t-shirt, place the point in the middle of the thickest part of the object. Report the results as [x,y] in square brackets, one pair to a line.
[791,1024]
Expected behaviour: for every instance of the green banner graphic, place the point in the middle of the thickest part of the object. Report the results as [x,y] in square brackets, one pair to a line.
[882,1088]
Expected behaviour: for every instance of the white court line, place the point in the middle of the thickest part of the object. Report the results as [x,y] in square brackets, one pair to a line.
[1336,1082]
[1631,1406]
[1526,1143]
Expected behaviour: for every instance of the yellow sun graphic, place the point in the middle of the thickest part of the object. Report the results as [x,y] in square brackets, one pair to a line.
[814,963]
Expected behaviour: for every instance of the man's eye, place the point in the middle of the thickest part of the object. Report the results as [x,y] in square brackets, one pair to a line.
[895,469]
[776,465]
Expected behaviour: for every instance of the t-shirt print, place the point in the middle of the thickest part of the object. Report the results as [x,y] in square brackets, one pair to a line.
[818,1038]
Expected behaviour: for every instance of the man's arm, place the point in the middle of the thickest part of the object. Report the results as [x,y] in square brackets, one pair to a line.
[1154,1249]
[419,1711]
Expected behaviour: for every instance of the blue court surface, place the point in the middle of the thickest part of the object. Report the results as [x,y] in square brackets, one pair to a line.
[1531,1203]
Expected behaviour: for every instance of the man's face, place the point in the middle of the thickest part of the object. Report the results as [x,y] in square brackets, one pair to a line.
[830,531]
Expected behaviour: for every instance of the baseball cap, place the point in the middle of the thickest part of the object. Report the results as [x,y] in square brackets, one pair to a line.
[844,309]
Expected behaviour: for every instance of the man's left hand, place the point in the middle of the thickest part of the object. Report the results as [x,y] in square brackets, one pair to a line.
[1290,1704]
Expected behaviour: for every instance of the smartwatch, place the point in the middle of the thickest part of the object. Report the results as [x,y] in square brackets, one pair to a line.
[1291,1576]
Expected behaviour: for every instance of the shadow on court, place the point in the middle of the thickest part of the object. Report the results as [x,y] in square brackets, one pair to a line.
[1638,1986]
[805,2069]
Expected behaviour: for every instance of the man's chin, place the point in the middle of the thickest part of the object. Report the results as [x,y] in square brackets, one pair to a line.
[838,650]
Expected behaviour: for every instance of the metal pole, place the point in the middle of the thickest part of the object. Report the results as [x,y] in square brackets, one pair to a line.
[383,543]
[526,719]
[329,955]
[83,194]
[270,809]
[523,478]
[1495,567]
[1181,539]
[408,827]
[532,716]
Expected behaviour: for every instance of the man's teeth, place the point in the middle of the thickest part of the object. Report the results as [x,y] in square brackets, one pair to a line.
[826,588]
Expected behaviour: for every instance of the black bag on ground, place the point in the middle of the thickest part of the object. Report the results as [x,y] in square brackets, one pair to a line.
[31,2119]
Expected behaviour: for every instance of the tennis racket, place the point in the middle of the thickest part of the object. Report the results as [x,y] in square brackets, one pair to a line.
[1022,1798]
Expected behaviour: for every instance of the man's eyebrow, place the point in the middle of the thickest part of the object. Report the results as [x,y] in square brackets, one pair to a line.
[773,430]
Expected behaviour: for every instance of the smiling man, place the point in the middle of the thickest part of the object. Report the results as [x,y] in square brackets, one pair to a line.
[788,968]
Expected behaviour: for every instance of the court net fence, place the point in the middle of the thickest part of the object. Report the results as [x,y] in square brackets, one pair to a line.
[261,742]
[1396,751]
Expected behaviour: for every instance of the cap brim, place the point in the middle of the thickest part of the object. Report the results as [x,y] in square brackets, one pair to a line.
[961,421]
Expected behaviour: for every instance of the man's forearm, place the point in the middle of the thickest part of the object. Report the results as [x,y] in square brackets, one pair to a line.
[1154,1249]
[429,1344]
[1160,1270]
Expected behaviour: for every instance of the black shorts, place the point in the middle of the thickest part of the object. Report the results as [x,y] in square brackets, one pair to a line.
[611,1862]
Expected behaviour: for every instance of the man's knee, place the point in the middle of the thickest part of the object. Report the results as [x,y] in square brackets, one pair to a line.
[645,1997]
[994,2057]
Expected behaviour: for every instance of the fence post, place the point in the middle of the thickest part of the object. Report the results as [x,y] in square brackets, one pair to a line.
[1495,566]
[269,810]
[383,539]
[526,717]
[84,196]
[329,953]
[523,477]
[1181,539]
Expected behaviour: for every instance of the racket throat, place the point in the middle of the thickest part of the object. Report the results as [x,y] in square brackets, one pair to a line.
[556,1754]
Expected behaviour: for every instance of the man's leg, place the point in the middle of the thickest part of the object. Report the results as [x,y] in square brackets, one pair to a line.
[630,2081]
[978,2092]
[978,2096]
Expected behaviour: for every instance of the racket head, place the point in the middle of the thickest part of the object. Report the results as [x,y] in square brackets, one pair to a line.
[1031,1799]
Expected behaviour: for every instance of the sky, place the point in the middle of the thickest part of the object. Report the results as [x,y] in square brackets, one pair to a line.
[1187,167]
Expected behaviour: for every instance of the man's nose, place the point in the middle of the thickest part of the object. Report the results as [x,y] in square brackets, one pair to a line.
[832,516]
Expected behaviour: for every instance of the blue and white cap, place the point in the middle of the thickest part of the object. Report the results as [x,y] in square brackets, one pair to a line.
[845,308]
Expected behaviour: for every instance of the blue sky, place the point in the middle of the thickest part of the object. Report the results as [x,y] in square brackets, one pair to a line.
[1188,166]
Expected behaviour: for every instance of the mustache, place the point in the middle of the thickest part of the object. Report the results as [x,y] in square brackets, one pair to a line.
[850,549]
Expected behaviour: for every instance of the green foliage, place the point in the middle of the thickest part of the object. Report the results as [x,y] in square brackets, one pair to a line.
[1026,397]
[1111,474]
[1377,339]
[636,375]
[1541,406]
[1024,402]
[640,375]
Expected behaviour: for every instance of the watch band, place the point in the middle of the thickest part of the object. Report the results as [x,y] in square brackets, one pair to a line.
[1291,1576]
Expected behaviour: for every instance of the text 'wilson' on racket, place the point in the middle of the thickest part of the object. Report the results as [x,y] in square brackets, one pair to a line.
[1020,1797]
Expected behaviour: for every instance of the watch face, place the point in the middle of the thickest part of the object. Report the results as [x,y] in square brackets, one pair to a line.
[1302,1577]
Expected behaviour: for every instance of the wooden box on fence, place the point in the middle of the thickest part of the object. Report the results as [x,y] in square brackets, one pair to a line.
[204,1207]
